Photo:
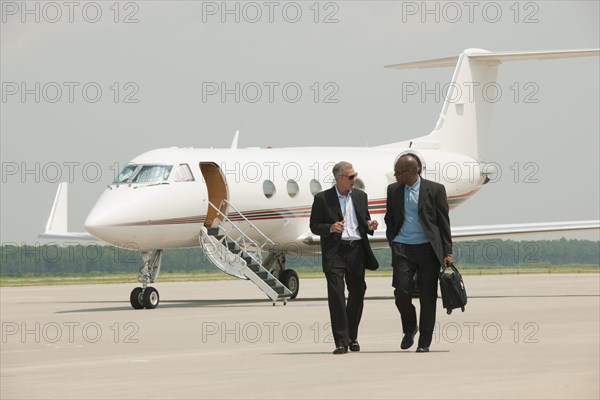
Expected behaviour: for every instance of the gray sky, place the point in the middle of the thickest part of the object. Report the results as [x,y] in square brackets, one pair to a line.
[154,72]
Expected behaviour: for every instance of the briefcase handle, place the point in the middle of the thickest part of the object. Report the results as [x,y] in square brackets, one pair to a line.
[451,266]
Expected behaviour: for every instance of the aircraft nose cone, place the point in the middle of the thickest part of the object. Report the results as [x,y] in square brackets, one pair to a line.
[94,221]
[98,223]
[105,220]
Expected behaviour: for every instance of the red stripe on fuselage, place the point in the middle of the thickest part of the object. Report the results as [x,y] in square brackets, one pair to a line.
[280,213]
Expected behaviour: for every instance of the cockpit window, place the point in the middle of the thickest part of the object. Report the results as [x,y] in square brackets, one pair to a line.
[143,173]
[153,173]
[126,173]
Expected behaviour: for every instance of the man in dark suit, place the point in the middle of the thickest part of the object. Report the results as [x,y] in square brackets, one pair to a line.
[418,230]
[340,215]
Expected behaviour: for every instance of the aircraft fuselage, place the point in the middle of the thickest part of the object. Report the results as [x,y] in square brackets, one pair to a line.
[157,206]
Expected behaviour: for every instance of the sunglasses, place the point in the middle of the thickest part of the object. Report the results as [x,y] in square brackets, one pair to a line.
[351,177]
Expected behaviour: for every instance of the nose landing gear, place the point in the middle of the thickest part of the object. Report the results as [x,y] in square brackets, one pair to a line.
[147,296]
[144,298]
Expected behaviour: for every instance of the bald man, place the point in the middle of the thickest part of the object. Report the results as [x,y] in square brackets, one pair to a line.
[418,230]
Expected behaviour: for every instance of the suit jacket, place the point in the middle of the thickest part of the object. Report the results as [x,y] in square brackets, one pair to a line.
[326,211]
[433,214]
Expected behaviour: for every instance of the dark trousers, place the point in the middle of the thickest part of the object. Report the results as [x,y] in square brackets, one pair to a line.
[345,317]
[406,261]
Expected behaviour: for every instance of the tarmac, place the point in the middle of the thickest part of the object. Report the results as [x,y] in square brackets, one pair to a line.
[520,337]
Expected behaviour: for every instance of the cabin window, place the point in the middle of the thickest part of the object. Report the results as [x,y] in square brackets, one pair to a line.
[315,186]
[153,173]
[292,188]
[183,173]
[268,189]
[126,174]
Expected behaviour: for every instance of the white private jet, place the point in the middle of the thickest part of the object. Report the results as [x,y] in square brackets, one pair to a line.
[248,208]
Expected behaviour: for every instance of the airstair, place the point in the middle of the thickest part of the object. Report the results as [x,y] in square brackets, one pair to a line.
[229,246]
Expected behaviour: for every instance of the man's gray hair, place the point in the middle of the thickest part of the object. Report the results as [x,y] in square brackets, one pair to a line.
[339,168]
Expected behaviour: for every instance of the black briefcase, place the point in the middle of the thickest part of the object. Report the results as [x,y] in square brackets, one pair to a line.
[454,294]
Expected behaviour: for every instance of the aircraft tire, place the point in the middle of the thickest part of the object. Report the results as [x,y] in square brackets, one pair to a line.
[151,298]
[290,280]
[136,299]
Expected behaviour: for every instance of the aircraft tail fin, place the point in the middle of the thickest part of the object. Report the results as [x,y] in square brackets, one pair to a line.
[467,108]
[57,226]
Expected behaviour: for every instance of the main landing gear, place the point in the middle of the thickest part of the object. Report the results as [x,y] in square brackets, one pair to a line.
[275,264]
[147,296]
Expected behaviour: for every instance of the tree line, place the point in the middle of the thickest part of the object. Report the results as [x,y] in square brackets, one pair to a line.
[55,260]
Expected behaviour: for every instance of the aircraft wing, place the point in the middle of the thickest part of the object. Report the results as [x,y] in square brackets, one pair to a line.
[481,232]
[510,230]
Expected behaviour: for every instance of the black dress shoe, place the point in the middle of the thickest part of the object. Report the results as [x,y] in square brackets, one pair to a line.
[422,349]
[340,350]
[409,339]
[354,346]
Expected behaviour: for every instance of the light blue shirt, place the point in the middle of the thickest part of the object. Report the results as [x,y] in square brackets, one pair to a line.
[351,231]
[412,230]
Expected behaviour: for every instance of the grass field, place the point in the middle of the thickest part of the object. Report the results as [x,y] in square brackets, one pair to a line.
[304,273]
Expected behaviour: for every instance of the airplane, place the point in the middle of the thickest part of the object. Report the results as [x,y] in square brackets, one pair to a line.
[249,207]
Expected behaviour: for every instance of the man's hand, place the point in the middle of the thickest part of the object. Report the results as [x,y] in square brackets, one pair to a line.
[448,259]
[338,227]
[372,225]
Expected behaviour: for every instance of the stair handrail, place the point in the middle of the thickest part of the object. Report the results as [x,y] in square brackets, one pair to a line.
[257,257]
[225,201]
[245,238]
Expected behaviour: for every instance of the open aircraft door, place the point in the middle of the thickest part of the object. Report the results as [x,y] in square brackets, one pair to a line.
[217,190]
